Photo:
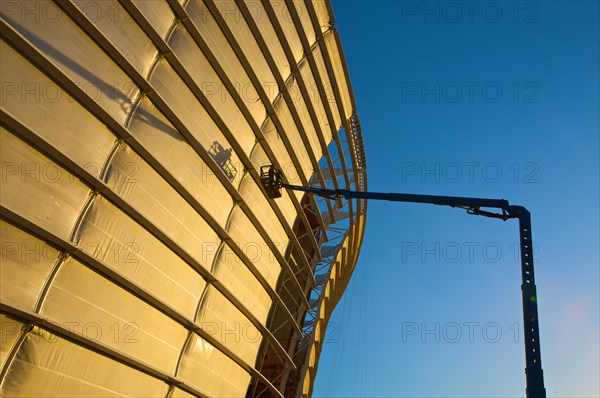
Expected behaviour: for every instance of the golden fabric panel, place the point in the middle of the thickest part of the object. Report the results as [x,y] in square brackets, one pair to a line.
[220,47]
[307,26]
[260,207]
[212,87]
[225,323]
[307,383]
[158,13]
[37,189]
[117,25]
[301,107]
[49,197]
[25,265]
[291,131]
[46,109]
[333,275]
[318,330]
[317,102]
[114,239]
[179,393]
[261,19]
[254,246]
[120,320]
[329,93]
[50,366]
[10,330]
[76,55]
[202,127]
[279,150]
[174,153]
[345,254]
[211,371]
[231,271]
[243,35]
[259,158]
[340,76]
[284,18]
[320,7]
[144,189]
[183,102]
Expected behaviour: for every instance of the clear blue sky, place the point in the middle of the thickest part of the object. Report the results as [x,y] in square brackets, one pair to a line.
[488,99]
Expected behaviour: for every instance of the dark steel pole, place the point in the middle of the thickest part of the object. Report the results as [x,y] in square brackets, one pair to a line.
[531,331]
[533,358]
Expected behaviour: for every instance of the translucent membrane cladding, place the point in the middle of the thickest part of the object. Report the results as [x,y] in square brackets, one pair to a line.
[301,107]
[291,131]
[37,189]
[260,207]
[157,12]
[61,368]
[187,108]
[285,161]
[114,239]
[153,212]
[340,77]
[147,192]
[207,79]
[177,392]
[307,381]
[220,47]
[316,101]
[243,35]
[176,155]
[222,320]
[203,367]
[258,159]
[25,264]
[120,320]
[254,246]
[10,329]
[286,22]
[126,36]
[261,19]
[320,7]
[233,273]
[305,21]
[45,108]
[76,55]
[328,87]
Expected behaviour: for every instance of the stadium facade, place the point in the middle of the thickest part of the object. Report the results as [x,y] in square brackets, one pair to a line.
[140,254]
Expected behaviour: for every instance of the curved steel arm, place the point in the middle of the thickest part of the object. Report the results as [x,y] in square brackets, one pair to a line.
[472,205]
[533,368]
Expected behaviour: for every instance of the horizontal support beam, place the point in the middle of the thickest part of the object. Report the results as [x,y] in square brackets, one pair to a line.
[453,201]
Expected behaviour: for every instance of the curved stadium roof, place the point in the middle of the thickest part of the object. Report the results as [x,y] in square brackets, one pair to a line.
[140,254]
